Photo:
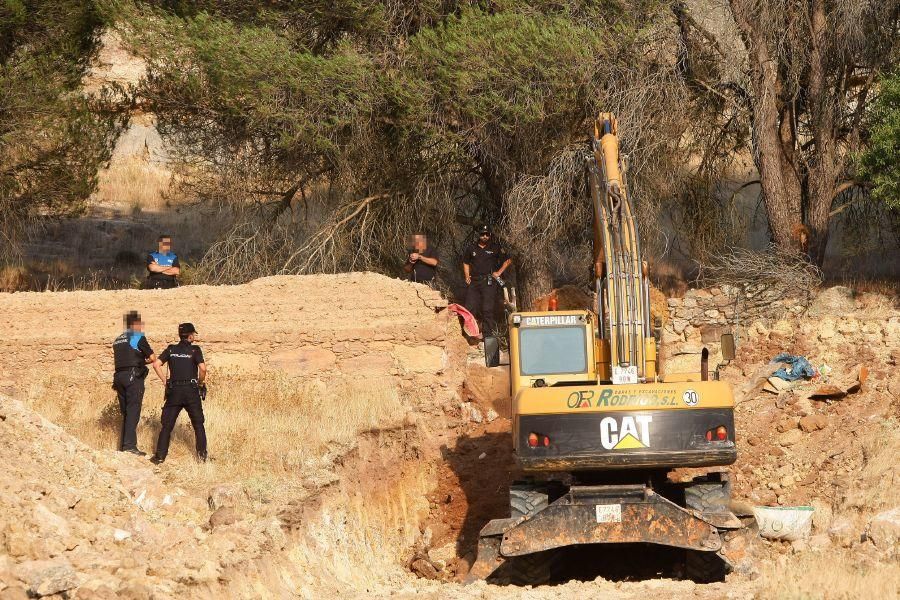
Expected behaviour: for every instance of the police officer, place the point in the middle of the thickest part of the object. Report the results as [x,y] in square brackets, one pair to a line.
[131,353]
[483,264]
[162,266]
[185,389]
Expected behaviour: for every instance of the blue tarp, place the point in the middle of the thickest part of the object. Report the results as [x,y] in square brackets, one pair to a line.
[798,367]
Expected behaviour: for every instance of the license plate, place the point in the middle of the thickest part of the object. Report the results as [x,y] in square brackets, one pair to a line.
[622,375]
[609,513]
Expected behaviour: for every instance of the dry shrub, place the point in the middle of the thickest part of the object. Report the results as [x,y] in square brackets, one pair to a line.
[763,277]
[13,278]
[249,250]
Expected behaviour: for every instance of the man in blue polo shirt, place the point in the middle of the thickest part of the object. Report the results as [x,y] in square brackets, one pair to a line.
[163,266]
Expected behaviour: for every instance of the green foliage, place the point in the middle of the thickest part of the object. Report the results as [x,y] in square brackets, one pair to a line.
[392,116]
[210,77]
[52,139]
[880,163]
[505,69]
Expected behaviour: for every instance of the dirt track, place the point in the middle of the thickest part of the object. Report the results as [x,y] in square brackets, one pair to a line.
[422,484]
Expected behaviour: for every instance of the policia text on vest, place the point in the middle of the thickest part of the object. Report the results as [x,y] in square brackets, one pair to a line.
[131,354]
[185,389]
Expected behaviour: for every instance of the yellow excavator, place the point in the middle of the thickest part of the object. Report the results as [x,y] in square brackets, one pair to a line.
[595,425]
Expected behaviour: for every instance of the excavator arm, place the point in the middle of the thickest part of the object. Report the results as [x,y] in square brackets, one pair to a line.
[622,286]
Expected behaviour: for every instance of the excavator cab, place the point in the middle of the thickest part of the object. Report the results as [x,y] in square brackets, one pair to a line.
[597,428]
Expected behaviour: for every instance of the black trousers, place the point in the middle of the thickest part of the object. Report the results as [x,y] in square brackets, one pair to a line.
[179,397]
[159,284]
[481,300]
[129,386]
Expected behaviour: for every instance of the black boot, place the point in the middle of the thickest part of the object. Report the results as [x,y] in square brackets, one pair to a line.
[135,451]
[157,460]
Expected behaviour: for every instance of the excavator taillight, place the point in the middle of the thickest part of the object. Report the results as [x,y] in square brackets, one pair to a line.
[720,434]
[533,440]
[546,442]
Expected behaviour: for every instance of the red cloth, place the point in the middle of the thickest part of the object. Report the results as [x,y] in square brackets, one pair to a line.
[470,325]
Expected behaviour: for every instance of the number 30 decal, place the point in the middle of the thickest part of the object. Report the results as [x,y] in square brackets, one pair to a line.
[690,397]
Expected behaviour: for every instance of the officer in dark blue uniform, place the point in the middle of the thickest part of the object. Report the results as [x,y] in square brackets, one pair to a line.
[162,266]
[131,353]
[483,264]
[185,389]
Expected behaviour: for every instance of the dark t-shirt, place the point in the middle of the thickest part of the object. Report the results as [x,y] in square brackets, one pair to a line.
[421,272]
[170,259]
[183,359]
[131,349]
[484,261]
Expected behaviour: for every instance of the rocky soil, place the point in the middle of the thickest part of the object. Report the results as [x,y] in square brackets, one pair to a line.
[100,524]
[400,513]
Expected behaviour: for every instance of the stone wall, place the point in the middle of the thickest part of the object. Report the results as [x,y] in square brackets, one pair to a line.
[315,328]
[697,321]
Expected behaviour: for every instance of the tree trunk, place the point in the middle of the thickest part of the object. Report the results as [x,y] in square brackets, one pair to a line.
[773,138]
[533,280]
[824,167]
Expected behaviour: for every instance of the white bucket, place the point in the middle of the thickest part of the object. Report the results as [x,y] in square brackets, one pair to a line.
[784,523]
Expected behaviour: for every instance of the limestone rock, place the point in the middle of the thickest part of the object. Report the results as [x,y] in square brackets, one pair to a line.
[120,535]
[226,495]
[819,542]
[224,515]
[47,577]
[789,438]
[884,530]
[842,532]
[470,412]
[822,516]
[420,359]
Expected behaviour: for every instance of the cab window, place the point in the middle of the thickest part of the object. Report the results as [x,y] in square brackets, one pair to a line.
[552,350]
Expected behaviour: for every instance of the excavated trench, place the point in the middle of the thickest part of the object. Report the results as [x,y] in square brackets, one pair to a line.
[400,514]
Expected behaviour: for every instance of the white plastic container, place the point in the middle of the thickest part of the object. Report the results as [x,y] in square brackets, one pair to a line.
[784,523]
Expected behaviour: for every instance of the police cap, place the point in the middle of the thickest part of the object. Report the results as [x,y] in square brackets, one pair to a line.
[185,329]
[482,229]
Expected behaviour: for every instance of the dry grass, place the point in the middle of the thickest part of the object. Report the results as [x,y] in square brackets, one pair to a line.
[868,285]
[267,432]
[877,485]
[135,183]
[13,278]
[839,575]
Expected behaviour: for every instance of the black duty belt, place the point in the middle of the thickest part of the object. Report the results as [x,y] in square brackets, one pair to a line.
[120,369]
[181,382]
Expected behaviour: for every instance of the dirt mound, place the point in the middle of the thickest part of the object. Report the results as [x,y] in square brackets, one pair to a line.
[336,477]
[104,523]
[314,328]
